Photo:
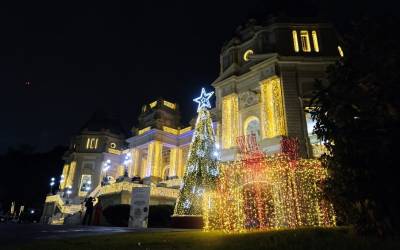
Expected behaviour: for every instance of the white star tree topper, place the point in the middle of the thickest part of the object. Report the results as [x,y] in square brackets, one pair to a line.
[204,99]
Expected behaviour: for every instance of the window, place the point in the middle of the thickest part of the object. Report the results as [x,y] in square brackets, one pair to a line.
[91,143]
[305,41]
[247,54]
[315,40]
[295,41]
[340,51]
[252,126]
[86,183]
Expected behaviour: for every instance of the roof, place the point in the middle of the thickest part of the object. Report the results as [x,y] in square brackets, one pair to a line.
[101,121]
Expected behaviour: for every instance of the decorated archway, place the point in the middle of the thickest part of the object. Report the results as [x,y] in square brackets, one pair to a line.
[266,192]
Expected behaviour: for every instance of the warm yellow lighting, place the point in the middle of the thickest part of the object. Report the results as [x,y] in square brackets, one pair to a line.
[136,162]
[154,158]
[173,156]
[230,120]
[69,178]
[142,131]
[171,130]
[315,40]
[305,41]
[180,161]
[170,105]
[246,54]
[65,174]
[273,122]
[184,130]
[282,193]
[340,51]
[153,104]
[295,41]
[114,151]
[91,143]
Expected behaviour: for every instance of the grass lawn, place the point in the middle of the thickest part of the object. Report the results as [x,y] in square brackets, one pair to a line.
[308,238]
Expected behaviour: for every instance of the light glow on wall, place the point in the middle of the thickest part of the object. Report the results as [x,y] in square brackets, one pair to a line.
[170,105]
[153,104]
[295,41]
[154,158]
[184,130]
[230,120]
[273,122]
[171,130]
[315,40]
[144,130]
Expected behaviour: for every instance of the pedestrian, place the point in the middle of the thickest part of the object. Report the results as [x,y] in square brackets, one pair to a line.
[89,211]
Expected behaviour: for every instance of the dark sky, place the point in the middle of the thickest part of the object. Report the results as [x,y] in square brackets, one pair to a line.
[81,56]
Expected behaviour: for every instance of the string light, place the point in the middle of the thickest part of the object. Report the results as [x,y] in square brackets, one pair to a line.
[202,170]
[278,191]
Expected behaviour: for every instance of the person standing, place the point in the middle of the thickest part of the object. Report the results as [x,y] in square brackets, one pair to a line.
[89,211]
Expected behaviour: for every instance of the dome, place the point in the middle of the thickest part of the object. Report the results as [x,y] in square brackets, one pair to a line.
[101,121]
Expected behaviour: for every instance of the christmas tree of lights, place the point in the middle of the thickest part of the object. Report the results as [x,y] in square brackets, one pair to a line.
[201,170]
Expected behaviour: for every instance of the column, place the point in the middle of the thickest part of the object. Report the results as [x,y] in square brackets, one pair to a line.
[273,122]
[134,171]
[176,168]
[154,158]
[69,179]
[230,120]
[65,174]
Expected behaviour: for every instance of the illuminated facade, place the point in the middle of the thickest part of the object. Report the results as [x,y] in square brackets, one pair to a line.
[266,78]
[103,163]
[267,73]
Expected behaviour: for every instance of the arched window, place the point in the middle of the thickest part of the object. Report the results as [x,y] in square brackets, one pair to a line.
[252,126]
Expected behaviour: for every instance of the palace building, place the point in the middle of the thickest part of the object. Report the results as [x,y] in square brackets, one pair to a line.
[266,78]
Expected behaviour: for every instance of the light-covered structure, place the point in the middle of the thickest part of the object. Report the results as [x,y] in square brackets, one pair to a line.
[267,73]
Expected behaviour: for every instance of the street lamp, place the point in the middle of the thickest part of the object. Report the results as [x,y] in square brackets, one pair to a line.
[69,191]
[52,182]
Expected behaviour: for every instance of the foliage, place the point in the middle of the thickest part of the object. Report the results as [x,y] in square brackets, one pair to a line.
[27,175]
[357,116]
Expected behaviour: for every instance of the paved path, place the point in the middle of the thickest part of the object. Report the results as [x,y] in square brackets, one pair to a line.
[11,234]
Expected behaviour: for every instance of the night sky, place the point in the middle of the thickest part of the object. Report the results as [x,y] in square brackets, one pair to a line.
[60,62]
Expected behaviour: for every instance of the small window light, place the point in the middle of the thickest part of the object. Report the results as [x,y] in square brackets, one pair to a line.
[340,51]
[315,40]
[305,41]
[247,54]
[295,41]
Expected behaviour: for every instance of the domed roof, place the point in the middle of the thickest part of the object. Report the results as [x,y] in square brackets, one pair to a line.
[101,121]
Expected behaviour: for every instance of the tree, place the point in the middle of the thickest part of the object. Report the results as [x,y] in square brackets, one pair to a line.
[201,167]
[357,116]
